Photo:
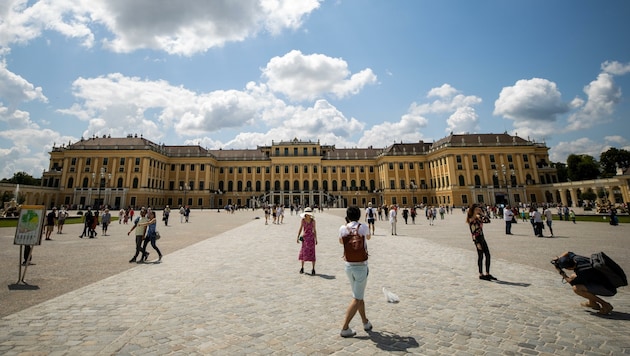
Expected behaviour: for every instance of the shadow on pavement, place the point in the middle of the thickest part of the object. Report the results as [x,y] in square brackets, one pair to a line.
[392,342]
[615,315]
[325,276]
[516,284]
[22,287]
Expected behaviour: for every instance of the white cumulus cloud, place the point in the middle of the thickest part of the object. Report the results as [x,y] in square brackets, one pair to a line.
[308,77]
[533,104]
[170,26]
[602,98]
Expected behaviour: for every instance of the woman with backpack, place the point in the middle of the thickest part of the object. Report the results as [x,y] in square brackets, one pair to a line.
[586,281]
[353,236]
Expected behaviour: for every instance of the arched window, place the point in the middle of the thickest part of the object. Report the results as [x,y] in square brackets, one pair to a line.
[462,181]
[86,182]
[239,186]
[120,182]
[305,185]
[230,186]
[135,183]
[334,184]
[325,185]
[258,186]
[276,185]
[267,185]
[296,185]
[70,182]
[477,180]
[315,185]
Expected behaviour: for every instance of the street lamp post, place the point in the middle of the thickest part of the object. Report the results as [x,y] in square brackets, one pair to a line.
[414,187]
[507,186]
[101,182]
[185,189]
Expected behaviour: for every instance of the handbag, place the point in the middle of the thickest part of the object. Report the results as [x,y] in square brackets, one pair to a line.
[157,235]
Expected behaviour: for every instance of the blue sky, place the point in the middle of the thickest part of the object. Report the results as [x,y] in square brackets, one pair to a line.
[241,73]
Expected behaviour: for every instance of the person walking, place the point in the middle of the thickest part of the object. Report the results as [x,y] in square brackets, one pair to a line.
[106,219]
[474,219]
[413,214]
[150,236]
[370,216]
[538,223]
[93,225]
[357,271]
[405,214]
[87,222]
[61,219]
[140,231]
[51,218]
[166,214]
[267,213]
[508,216]
[548,219]
[280,213]
[392,218]
[307,234]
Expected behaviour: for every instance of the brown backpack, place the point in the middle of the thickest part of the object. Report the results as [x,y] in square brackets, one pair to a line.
[354,249]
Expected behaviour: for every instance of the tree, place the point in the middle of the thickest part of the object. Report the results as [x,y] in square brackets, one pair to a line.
[562,171]
[612,158]
[589,195]
[582,167]
[22,178]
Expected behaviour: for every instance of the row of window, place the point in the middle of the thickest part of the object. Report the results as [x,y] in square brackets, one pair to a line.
[411,165]
[296,151]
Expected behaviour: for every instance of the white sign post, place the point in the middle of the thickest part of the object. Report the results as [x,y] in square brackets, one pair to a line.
[29,233]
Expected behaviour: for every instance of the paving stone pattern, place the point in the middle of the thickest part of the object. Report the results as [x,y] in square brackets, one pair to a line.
[240,292]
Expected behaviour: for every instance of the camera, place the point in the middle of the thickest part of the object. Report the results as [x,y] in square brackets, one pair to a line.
[556,263]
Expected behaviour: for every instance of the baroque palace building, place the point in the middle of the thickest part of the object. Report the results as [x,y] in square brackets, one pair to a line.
[456,170]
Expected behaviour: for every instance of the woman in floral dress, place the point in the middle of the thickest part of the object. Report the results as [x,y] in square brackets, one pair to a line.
[308,236]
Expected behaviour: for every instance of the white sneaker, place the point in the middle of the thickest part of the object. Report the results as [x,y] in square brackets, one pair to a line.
[347,333]
[367,326]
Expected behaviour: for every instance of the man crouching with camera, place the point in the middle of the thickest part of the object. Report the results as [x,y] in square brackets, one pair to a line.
[587,282]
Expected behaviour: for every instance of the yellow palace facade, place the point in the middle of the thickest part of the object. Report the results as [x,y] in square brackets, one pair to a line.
[455,170]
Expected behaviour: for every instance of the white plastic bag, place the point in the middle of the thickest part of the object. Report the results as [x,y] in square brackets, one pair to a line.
[391,297]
